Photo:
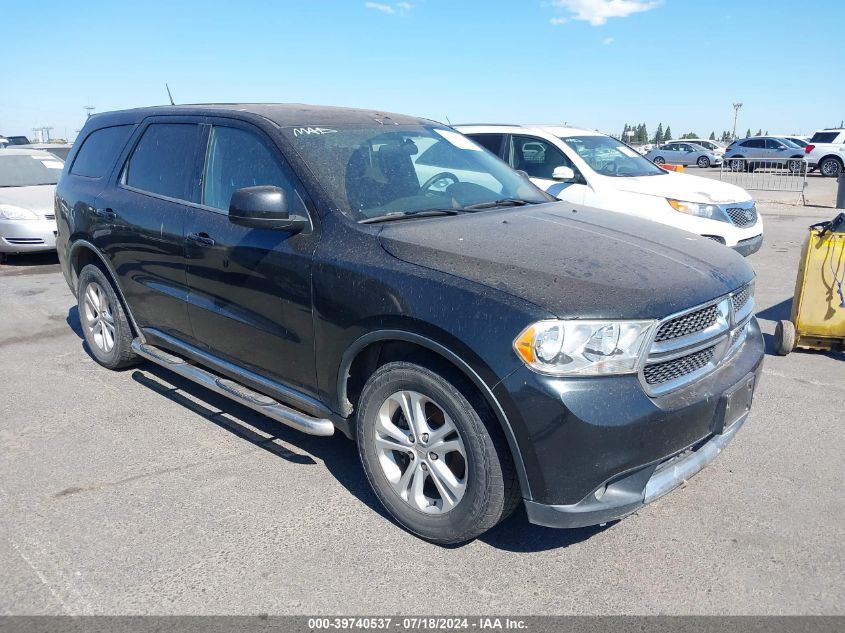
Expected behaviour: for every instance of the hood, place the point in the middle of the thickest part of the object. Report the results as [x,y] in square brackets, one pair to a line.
[38,199]
[683,187]
[574,262]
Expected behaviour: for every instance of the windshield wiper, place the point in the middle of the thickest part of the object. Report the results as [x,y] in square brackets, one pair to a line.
[402,215]
[504,202]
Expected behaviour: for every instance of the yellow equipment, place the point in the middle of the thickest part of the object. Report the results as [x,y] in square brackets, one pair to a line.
[818,308]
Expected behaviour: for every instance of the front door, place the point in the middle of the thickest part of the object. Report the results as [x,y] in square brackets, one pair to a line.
[538,158]
[250,289]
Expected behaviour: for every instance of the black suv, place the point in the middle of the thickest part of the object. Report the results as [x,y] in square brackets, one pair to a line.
[385,276]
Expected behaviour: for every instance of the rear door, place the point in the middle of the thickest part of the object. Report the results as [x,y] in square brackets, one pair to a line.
[145,212]
[250,289]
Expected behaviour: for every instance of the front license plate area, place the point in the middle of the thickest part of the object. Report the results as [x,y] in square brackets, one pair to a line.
[734,404]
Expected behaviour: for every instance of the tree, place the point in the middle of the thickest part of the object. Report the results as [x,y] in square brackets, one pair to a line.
[658,135]
[690,135]
[747,132]
[712,136]
[767,133]
[759,132]
[667,136]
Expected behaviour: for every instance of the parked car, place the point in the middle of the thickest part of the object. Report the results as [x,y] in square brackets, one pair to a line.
[773,152]
[826,152]
[800,141]
[714,146]
[27,185]
[16,140]
[587,167]
[684,153]
[57,149]
[383,275]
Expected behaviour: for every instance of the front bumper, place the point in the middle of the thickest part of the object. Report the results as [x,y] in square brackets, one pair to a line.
[597,449]
[749,246]
[27,236]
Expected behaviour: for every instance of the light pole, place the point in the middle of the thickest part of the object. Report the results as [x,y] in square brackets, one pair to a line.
[737,106]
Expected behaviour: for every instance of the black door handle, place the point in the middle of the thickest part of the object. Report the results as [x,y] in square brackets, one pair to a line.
[105,213]
[200,238]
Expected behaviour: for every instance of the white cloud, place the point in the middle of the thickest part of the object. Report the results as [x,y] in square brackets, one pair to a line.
[607,41]
[557,21]
[384,8]
[390,9]
[597,12]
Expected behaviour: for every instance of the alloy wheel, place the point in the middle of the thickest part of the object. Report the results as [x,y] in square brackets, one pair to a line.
[99,318]
[420,452]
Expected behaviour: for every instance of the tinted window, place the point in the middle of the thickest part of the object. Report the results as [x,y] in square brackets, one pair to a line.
[493,142]
[824,137]
[163,160]
[99,151]
[236,159]
[536,157]
[755,142]
[773,144]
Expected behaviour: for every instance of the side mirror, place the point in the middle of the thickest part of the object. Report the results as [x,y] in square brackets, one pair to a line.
[264,207]
[564,174]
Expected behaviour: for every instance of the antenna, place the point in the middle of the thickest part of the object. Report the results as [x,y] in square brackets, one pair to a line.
[88,109]
[170,96]
[447,120]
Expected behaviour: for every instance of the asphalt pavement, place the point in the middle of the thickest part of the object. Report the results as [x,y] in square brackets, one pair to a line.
[135,492]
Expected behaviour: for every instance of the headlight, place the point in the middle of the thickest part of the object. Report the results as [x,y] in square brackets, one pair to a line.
[11,212]
[583,348]
[709,211]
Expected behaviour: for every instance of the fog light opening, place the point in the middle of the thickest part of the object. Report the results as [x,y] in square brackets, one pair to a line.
[600,493]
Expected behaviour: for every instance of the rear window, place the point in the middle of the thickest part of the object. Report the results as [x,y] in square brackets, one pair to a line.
[29,170]
[163,160]
[824,137]
[99,151]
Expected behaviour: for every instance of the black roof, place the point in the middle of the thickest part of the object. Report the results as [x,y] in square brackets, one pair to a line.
[282,114]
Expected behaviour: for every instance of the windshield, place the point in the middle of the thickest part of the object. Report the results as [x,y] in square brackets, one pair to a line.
[24,170]
[790,144]
[378,170]
[609,157]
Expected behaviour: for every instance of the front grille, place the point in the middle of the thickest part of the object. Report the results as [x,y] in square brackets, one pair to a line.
[742,217]
[741,298]
[50,216]
[24,241]
[670,370]
[687,324]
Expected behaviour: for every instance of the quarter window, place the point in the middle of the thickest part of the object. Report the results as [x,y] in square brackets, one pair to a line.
[163,160]
[99,151]
[237,159]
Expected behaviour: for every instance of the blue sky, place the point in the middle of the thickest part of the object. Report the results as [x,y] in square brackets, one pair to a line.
[595,63]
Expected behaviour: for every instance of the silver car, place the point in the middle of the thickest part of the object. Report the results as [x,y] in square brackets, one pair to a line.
[27,185]
[683,153]
[773,152]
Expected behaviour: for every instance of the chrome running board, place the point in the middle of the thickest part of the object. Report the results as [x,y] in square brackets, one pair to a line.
[235,391]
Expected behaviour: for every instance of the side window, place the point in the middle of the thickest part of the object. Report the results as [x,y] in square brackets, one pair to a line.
[536,157]
[163,160]
[99,151]
[492,142]
[671,147]
[773,144]
[236,159]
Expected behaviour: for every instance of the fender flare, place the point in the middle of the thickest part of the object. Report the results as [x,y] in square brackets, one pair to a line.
[74,249]
[487,393]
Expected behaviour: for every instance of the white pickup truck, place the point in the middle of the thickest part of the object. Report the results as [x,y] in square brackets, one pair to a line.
[826,151]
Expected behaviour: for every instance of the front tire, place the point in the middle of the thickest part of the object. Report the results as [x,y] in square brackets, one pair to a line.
[435,461]
[659,160]
[703,162]
[104,323]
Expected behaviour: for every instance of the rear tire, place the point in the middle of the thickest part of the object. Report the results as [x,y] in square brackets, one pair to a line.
[830,167]
[784,337]
[104,323]
[445,474]
[737,165]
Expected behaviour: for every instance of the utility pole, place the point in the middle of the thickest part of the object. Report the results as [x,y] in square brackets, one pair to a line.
[737,106]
